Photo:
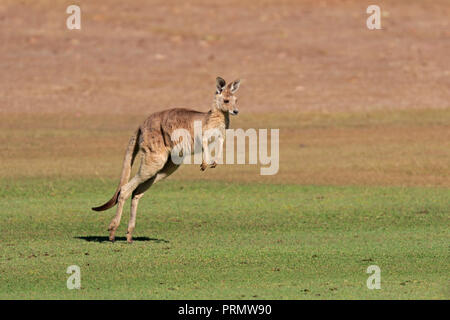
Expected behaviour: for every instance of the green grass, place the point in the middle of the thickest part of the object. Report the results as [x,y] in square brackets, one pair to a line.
[218,240]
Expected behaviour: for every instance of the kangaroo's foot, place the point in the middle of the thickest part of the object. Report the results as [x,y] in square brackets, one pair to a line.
[129,237]
[203,166]
[213,165]
[112,232]
[112,235]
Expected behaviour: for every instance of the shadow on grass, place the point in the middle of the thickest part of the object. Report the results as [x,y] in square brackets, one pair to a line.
[106,239]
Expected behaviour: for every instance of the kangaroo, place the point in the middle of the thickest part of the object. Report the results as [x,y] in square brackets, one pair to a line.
[153,140]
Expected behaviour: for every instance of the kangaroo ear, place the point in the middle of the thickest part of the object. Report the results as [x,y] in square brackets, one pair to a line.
[220,84]
[235,85]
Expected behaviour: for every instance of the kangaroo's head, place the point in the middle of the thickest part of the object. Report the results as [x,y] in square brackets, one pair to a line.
[225,100]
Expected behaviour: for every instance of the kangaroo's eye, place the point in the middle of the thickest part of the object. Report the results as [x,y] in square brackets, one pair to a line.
[226,101]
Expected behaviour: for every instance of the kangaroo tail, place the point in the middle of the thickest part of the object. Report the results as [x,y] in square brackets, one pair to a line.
[130,155]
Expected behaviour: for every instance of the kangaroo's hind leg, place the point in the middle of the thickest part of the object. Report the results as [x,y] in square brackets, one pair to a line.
[167,170]
[151,163]
[137,195]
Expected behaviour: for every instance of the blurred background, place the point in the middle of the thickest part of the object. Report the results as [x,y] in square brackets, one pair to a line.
[354,106]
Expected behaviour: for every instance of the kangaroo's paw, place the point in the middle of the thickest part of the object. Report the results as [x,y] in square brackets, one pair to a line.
[203,166]
[213,165]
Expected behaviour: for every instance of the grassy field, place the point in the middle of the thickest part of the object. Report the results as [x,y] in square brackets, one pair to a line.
[221,240]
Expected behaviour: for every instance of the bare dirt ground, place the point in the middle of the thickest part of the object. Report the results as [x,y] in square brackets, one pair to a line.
[353,106]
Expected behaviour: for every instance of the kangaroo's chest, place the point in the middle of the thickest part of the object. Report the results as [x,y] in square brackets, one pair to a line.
[218,122]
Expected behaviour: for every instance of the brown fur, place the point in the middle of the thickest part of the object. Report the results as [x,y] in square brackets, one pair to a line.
[153,141]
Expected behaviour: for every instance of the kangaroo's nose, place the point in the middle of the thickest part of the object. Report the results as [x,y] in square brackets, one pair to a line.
[236,111]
